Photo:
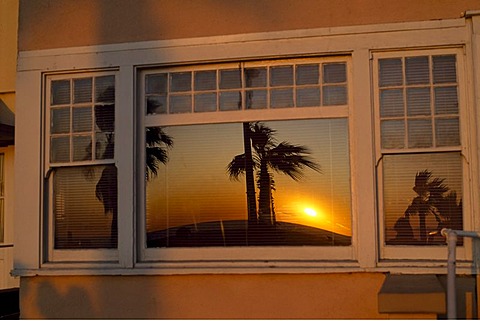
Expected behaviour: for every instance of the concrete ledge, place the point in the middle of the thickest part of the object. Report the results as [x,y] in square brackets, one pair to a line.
[412,294]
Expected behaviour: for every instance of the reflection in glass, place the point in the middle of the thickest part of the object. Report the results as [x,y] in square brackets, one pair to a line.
[308,97]
[334,73]
[156,84]
[334,95]
[60,121]
[156,105]
[255,77]
[391,103]
[82,90]
[446,101]
[393,133]
[180,104]
[417,70]
[281,76]
[307,74]
[256,99]
[82,119]
[82,147]
[60,94]
[60,149]
[418,101]
[230,79]
[390,72]
[281,98]
[105,89]
[206,102]
[420,133]
[447,132]
[192,202]
[230,100]
[206,80]
[180,81]
[444,69]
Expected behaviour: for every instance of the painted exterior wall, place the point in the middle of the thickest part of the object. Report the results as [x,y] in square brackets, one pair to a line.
[329,295]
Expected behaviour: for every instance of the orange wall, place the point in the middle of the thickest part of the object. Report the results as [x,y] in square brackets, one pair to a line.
[65,23]
[277,296]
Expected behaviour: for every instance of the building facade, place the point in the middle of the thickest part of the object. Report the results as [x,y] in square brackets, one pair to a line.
[236,159]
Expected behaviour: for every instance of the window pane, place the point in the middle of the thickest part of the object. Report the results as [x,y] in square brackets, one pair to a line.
[180,81]
[230,79]
[2,194]
[420,133]
[417,70]
[105,89]
[447,132]
[391,103]
[105,118]
[334,95]
[60,121]
[418,101]
[85,207]
[205,102]
[104,145]
[446,101]
[230,100]
[281,76]
[60,149]
[256,99]
[334,73]
[60,94]
[308,74]
[280,98]
[422,195]
[181,104]
[156,84]
[192,201]
[206,80]
[156,105]
[255,77]
[308,97]
[444,69]
[393,133]
[390,72]
[82,90]
[82,148]
[82,119]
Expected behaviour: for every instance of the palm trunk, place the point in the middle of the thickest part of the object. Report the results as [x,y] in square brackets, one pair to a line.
[264,196]
[250,182]
[423,227]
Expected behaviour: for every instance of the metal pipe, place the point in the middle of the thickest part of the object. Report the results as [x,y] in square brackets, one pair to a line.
[451,236]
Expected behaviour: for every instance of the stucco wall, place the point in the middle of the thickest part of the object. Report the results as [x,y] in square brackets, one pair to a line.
[330,296]
[64,23]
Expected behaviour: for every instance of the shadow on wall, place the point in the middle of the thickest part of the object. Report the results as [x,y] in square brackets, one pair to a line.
[9,307]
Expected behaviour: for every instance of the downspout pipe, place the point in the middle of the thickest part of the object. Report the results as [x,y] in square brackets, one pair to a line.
[451,236]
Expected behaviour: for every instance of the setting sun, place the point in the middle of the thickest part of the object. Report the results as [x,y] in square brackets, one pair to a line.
[310,211]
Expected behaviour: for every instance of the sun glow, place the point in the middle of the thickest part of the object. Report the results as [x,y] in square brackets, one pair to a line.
[310,211]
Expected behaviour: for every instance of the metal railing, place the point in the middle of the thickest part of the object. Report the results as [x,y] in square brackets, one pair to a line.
[451,236]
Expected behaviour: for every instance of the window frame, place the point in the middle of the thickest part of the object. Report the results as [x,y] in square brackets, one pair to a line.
[50,255]
[435,252]
[148,256]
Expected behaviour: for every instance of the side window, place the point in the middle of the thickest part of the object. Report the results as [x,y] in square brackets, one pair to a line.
[80,144]
[420,145]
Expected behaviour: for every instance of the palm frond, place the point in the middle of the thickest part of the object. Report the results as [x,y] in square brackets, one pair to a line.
[291,160]
[236,167]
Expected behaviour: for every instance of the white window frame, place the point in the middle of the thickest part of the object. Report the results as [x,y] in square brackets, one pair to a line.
[52,255]
[215,254]
[410,252]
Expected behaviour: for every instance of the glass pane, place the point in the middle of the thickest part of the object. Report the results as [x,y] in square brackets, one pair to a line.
[420,133]
[417,70]
[393,134]
[446,101]
[180,104]
[422,195]
[418,101]
[60,94]
[206,80]
[256,99]
[60,149]
[105,89]
[447,132]
[255,77]
[444,69]
[60,122]
[82,90]
[308,74]
[334,73]
[104,145]
[280,98]
[180,81]
[334,95]
[82,148]
[308,97]
[156,105]
[82,119]
[281,76]
[391,103]
[230,79]
[156,84]
[230,100]
[105,118]
[85,207]
[390,72]
[193,201]
[205,102]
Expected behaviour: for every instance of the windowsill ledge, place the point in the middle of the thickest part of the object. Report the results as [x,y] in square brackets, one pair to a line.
[411,294]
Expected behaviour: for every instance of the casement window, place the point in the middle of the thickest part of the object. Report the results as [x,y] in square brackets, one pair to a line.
[81,176]
[244,157]
[421,162]
[2,198]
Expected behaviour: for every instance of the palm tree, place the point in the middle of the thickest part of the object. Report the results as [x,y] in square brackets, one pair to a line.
[268,156]
[157,144]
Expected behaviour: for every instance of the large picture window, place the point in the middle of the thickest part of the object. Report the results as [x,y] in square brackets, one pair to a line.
[252,162]
[420,142]
[80,161]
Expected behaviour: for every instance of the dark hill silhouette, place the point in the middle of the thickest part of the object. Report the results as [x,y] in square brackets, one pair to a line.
[236,233]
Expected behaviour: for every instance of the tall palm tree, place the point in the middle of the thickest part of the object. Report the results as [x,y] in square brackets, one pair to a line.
[157,144]
[267,156]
